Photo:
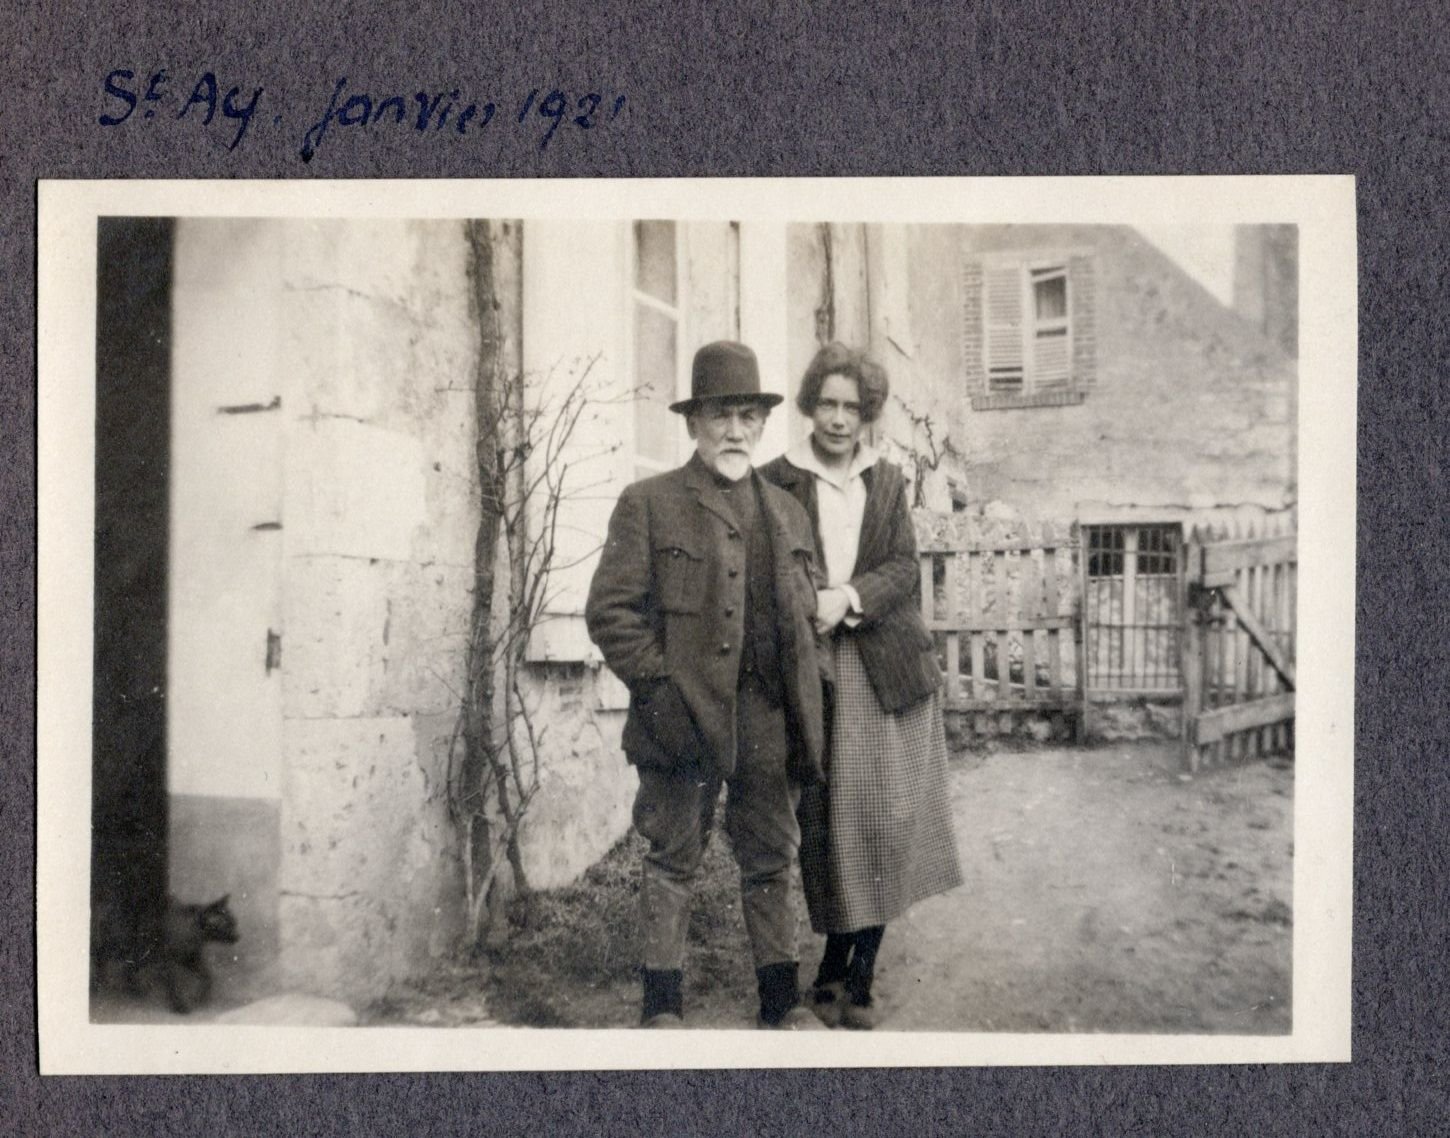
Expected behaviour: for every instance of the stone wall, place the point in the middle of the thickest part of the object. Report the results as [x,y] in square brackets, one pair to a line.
[377,348]
[1178,402]
[1190,406]
[586,787]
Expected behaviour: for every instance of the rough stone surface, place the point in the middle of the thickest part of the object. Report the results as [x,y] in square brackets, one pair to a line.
[1129,720]
[372,637]
[368,885]
[1039,729]
[356,490]
[587,788]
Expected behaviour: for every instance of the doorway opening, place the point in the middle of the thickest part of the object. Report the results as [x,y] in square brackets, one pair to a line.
[132,480]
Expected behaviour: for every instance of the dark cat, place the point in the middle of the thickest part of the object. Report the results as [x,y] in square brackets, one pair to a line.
[171,943]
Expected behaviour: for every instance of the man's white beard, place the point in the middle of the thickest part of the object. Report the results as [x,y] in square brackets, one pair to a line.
[732,466]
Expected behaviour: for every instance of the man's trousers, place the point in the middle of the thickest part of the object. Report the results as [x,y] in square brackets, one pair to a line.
[675,811]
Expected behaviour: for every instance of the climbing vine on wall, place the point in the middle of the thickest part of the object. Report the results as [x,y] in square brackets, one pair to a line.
[524,444]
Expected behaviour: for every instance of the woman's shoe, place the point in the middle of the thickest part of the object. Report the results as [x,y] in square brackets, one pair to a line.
[859,1017]
[828,1001]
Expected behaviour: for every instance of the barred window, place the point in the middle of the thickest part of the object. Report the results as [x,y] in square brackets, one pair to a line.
[1132,607]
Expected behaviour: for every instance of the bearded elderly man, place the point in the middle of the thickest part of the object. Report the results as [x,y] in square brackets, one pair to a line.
[702,605]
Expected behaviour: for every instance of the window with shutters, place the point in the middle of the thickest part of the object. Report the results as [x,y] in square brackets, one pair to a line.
[1026,335]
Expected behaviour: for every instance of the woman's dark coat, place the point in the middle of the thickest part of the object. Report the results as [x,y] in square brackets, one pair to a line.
[895,647]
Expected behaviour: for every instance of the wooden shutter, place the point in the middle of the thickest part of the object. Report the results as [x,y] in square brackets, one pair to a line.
[1051,338]
[1051,360]
[1002,322]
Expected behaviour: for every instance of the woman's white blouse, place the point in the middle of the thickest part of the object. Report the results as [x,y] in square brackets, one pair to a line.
[841,504]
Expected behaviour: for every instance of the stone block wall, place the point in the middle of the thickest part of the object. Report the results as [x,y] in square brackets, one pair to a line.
[378,345]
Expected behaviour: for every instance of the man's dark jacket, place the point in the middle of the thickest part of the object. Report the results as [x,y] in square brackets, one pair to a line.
[667,609]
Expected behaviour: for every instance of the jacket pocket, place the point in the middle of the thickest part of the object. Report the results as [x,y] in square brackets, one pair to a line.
[680,571]
[671,738]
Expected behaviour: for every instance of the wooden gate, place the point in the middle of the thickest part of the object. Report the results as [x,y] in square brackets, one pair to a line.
[1238,661]
[1003,613]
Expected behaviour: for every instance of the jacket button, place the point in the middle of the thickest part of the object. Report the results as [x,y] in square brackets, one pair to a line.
[724,649]
[733,572]
[735,535]
[729,610]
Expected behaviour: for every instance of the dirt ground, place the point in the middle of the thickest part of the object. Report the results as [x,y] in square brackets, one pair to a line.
[1105,891]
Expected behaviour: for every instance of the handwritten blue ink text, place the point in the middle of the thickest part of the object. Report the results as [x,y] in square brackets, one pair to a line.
[205,97]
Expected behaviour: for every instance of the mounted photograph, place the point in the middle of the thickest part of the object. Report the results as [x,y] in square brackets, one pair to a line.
[482,624]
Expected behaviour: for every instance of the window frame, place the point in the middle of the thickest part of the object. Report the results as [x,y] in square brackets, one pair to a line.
[641,465]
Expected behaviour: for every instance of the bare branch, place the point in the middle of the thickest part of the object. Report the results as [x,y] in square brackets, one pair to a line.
[528,460]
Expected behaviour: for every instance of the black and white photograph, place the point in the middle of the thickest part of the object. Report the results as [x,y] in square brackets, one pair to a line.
[850,622]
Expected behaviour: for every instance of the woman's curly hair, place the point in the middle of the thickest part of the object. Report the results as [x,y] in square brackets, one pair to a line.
[837,359]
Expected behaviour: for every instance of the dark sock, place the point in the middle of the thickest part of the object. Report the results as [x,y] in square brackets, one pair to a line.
[779,989]
[663,992]
[833,963]
[863,965]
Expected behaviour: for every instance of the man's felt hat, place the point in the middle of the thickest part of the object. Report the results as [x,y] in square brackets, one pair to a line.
[725,370]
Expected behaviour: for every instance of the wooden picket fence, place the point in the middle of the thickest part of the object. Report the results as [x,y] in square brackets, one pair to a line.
[1239,646]
[1003,612]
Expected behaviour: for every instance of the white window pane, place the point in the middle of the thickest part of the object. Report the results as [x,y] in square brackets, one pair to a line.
[654,259]
[655,370]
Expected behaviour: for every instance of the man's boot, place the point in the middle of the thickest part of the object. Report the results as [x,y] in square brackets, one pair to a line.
[664,1001]
[780,999]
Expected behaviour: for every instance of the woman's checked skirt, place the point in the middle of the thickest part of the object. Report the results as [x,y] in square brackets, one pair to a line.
[878,836]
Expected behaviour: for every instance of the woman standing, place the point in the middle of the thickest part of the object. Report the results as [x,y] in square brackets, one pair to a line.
[877,837]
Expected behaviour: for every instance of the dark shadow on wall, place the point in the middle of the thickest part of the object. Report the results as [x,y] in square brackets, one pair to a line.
[133,378]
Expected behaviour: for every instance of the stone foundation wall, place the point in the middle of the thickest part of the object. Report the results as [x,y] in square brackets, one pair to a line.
[586,787]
